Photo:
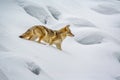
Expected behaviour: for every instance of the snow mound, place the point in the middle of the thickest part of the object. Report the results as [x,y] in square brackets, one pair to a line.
[78,22]
[34,68]
[38,11]
[20,68]
[107,9]
[74,23]
[89,36]
[47,62]
[54,12]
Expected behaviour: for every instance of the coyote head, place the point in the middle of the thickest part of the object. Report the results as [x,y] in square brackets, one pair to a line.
[26,34]
[68,31]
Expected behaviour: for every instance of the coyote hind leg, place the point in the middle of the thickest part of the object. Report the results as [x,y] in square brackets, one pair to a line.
[50,42]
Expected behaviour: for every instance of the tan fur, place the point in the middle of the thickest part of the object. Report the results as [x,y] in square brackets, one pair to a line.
[41,32]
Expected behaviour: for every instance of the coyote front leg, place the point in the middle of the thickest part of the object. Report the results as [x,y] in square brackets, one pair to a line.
[39,39]
[58,45]
[52,39]
[50,42]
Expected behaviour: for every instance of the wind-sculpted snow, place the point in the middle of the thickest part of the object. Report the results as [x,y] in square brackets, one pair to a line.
[75,23]
[19,68]
[54,12]
[79,59]
[45,14]
[89,36]
[107,9]
[79,22]
[40,13]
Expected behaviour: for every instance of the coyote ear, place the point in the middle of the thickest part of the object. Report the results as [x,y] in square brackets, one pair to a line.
[67,25]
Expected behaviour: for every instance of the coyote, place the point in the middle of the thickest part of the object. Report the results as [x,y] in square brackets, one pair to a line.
[40,32]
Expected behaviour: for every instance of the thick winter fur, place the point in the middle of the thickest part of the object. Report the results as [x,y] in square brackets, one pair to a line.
[45,34]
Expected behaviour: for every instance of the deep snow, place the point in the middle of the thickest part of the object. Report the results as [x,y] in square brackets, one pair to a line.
[93,54]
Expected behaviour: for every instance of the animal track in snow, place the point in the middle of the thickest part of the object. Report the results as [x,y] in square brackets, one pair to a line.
[34,68]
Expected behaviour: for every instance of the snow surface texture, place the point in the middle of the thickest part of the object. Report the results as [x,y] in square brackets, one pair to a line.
[3,48]
[79,22]
[55,13]
[93,54]
[107,9]
[89,37]
[34,68]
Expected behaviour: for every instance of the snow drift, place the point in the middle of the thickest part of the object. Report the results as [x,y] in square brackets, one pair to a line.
[92,22]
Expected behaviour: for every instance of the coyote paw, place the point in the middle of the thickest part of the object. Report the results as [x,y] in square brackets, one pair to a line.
[43,43]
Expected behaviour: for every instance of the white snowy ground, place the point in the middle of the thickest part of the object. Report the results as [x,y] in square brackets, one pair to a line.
[93,54]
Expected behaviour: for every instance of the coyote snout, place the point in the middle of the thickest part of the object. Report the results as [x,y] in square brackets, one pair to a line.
[21,36]
[40,32]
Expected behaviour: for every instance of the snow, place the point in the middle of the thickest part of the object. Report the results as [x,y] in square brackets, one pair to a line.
[89,37]
[106,9]
[54,12]
[93,54]
[38,12]
[3,76]
[34,68]
[16,68]
[78,22]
